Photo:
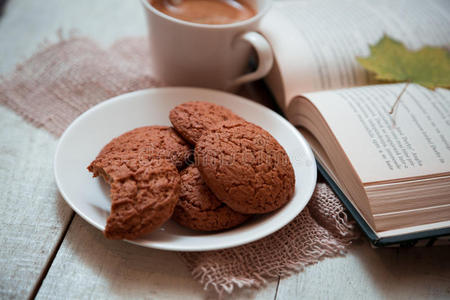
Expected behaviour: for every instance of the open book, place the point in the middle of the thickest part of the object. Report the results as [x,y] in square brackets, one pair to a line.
[395,177]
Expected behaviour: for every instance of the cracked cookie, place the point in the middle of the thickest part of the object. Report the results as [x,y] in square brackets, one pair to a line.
[141,199]
[192,119]
[245,167]
[140,167]
[199,209]
[146,143]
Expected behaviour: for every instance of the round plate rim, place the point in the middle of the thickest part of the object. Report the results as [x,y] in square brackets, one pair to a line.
[150,91]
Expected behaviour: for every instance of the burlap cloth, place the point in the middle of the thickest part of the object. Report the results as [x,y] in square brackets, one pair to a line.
[63,80]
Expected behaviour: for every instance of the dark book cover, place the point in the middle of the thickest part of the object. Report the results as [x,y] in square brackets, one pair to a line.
[405,240]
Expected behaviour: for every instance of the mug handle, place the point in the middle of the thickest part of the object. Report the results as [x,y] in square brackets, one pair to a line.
[264,54]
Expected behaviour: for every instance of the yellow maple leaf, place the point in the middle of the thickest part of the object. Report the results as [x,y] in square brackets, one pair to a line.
[391,61]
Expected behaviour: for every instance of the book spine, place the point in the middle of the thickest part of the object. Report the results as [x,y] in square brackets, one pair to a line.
[425,238]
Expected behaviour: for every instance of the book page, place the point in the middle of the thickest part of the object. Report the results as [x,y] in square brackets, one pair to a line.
[316,42]
[417,145]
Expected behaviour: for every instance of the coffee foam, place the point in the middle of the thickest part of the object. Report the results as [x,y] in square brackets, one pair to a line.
[214,12]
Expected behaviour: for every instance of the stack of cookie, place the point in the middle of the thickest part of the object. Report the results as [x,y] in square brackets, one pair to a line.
[238,169]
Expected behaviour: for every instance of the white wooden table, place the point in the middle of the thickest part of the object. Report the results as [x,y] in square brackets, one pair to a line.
[49,252]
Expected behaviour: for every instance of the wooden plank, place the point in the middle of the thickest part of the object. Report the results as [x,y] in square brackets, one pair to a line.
[367,273]
[90,266]
[33,215]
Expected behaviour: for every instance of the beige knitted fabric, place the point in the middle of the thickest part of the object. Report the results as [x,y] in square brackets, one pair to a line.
[63,80]
[60,82]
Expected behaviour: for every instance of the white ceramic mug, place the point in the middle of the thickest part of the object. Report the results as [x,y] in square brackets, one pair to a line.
[212,56]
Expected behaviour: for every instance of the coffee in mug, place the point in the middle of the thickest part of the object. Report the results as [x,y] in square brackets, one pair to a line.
[213,12]
[207,43]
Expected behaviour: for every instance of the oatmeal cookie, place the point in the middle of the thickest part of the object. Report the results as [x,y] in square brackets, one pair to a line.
[199,209]
[140,166]
[245,167]
[148,142]
[192,119]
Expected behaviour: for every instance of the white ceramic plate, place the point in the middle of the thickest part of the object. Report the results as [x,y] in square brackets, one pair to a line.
[89,197]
